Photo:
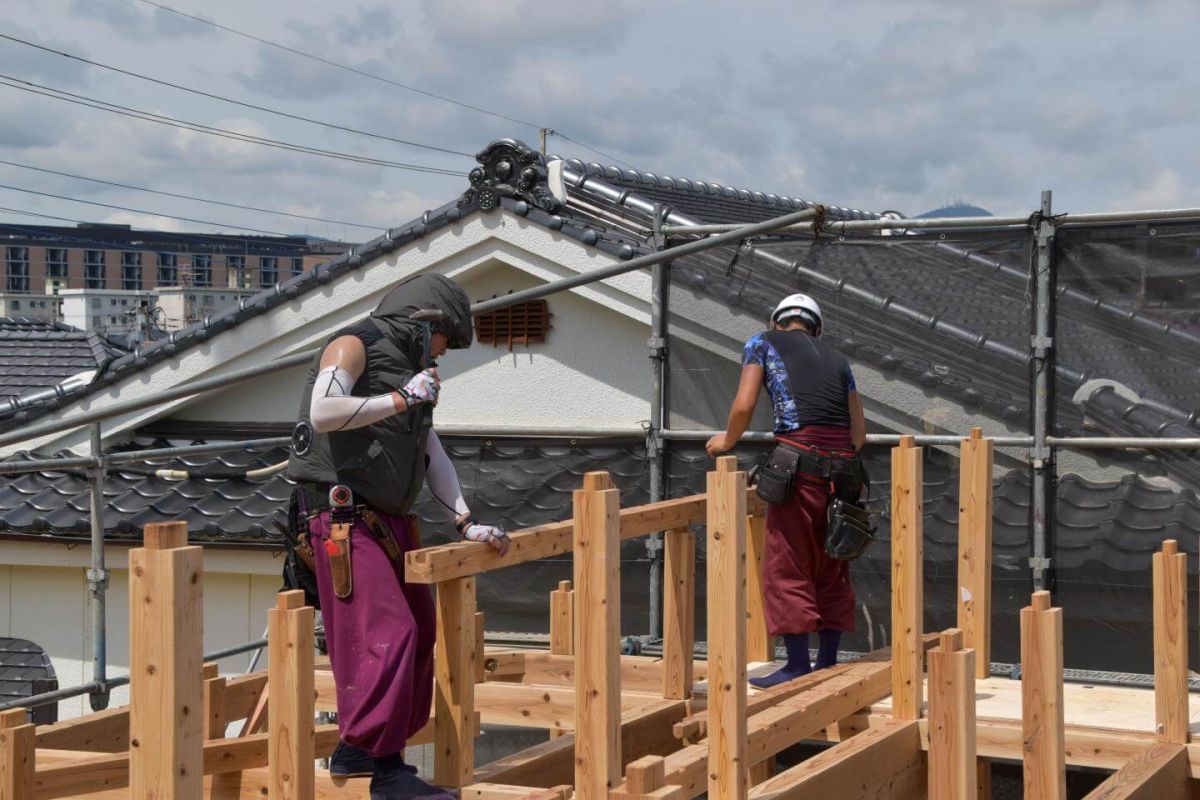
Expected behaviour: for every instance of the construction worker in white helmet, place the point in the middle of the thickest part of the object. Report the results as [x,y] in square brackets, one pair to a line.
[819,428]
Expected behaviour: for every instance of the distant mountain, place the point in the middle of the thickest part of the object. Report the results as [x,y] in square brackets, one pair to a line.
[957,209]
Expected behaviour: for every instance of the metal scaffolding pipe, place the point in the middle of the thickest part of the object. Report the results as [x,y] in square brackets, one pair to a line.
[1130,216]
[97,576]
[656,453]
[248,445]
[1041,348]
[846,226]
[648,260]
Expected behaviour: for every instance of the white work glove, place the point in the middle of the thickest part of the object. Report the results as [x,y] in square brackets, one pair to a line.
[422,388]
[496,537]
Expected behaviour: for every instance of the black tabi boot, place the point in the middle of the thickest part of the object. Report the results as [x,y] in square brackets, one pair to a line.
[395,780]
[349,761]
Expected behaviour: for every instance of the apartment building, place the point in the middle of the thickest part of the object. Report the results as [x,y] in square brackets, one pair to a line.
[41,260]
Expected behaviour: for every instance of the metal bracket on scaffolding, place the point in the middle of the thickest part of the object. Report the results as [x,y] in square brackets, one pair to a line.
[97,579]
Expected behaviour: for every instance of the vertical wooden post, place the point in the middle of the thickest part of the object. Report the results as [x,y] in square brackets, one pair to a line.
[952,770]
[562,620]
[291,728]
[597,638]
[679,613]
[977,455]
[166,735]
[727,767]
[214,708]
[975,548]
[760,644]
[17,743]
[907,591]
[1042,700]
[454,679]
[480,648]
[1171,644]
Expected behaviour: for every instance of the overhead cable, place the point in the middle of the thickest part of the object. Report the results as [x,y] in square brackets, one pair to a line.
[346,67]
[589,147]
[241,103]
[144,211]
[191,197]
[162,119]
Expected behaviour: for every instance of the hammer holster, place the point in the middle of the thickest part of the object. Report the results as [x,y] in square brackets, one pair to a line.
[341,520]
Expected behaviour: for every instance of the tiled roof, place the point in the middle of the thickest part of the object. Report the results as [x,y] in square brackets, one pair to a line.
[35,354]
[26,670]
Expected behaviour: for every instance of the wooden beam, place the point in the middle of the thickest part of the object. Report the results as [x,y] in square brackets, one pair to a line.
[529,705]
[105,731]
[215,722]
[1160,773]
[597,637]
[679,613]
[17,743]
[727,763]
[760,644]
[1171,644]
[461,559]
[165,660]
[454,683]
[638,673]
[780,726]
[84,775]
[882,762]
[907,587]
[644,780]
[952,764]
[562,620]
[502,791]
[644,732]
[1042,700]
[290,726]
[480,648]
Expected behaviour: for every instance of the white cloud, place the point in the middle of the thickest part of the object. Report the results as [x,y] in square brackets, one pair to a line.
[1164,190]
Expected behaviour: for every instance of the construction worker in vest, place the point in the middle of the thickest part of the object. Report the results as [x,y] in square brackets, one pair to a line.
[362,449]
[819,417]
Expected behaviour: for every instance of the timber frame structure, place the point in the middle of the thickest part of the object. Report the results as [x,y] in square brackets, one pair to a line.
[920,719]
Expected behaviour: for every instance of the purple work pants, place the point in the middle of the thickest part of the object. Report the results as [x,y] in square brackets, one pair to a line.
[380,640]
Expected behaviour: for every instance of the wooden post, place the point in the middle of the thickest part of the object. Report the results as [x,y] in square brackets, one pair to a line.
[17,743]
[1170,644]
[907,591]
[975,548]
[454,690]
[562,620]
[727,767]
[480,648]
[291,728]
[1042,700]
[679,613]
[760,644]
[597,638]
[975,565]
[952,771]
[215,722]
[645,780]
[165,660]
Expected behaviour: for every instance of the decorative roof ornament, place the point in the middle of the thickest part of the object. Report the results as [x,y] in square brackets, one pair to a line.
[509,168]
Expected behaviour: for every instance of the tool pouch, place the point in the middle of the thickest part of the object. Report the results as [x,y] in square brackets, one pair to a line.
[337,546]
[851,528]
[414,530]
[777,479]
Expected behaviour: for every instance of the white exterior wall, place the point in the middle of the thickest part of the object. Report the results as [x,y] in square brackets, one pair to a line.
[44,598]
[593,370]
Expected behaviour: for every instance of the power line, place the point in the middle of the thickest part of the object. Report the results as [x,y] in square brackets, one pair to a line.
[191,197]
[241,103]
[162,119]
[589,147]
[345,67]
[143,211]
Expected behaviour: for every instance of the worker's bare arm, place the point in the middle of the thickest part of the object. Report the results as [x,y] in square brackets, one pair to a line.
[740,411]
[858,421]
[333,408]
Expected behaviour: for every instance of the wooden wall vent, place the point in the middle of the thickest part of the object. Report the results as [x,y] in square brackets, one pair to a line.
[524,323]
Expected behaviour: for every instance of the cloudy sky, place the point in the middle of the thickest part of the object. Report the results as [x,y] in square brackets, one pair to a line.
[875,105]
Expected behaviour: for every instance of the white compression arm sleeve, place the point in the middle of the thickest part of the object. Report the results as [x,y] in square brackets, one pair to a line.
[441,478]
[332,408]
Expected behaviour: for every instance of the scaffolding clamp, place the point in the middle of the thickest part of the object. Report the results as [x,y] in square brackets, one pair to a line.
[657,346]
[1039,562]
[97,579]
[1041,345]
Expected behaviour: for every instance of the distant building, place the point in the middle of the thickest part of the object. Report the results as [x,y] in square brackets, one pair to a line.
[45,259]
[182,306]
[108,312]
[29,305]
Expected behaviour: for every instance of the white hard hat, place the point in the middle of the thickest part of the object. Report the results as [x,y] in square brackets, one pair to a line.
[799,305]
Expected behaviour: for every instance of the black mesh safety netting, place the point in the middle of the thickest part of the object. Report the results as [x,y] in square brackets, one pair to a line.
[1127,338]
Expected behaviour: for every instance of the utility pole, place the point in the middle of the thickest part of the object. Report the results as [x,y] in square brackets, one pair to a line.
[542,134]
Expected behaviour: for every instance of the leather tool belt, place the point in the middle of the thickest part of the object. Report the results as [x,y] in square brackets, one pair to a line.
[338,500]
[842,469]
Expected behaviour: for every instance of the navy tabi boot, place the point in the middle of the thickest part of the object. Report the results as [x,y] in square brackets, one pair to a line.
[797,663]
[827,650]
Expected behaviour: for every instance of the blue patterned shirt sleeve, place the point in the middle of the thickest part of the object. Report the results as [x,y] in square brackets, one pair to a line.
[754,351]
